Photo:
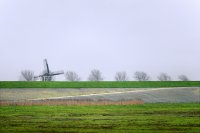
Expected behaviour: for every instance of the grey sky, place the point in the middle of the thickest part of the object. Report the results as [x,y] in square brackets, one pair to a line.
[110,35]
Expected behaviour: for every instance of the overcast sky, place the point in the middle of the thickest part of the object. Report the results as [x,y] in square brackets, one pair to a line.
[110,35]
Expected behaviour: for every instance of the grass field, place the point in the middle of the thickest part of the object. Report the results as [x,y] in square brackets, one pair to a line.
[182,117]
[157,117]
[103,84]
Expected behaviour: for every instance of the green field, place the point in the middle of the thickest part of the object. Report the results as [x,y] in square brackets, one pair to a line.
[182,117]
[165,117]
[102,84]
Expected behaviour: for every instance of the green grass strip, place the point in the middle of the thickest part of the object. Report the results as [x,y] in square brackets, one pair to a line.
[102,84]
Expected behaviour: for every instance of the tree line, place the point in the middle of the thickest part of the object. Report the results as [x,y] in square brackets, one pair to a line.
[96,75]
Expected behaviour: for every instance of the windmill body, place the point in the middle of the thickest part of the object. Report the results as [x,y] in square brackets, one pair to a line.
[47,75]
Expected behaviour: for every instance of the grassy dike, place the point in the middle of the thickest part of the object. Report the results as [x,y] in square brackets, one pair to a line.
[102,84]
[152,118]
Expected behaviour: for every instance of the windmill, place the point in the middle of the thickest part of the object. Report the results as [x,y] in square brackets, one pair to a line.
[47,74]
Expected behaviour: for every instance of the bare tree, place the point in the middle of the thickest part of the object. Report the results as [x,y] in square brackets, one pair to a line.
[27,75]
[183,78]
[121,76]
[72,76]
[141,76]
[95,75]
[164,77]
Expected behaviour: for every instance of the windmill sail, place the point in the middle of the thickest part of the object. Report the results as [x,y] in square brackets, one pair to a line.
[46,66]
[57,73]
[47,75]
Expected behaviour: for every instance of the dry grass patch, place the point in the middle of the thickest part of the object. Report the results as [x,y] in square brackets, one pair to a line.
[71,102]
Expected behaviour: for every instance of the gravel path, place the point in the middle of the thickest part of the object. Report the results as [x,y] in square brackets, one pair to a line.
[148,95]
[111,93]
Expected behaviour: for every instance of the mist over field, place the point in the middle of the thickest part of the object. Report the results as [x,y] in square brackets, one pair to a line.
[116,66]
